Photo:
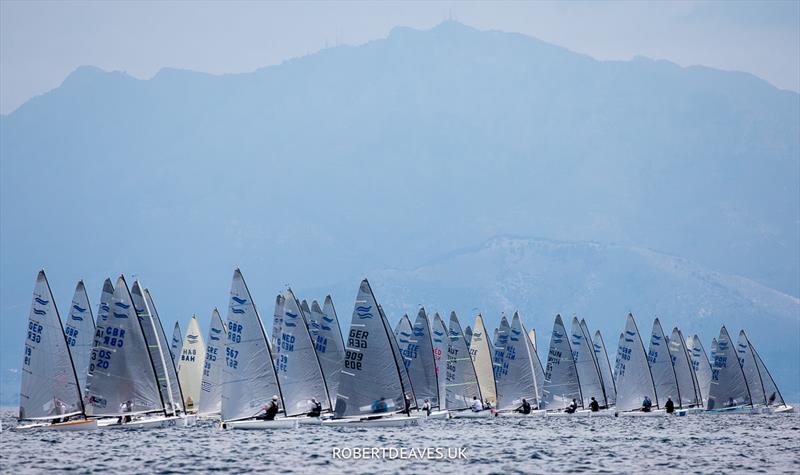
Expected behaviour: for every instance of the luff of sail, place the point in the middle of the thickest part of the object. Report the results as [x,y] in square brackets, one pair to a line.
[49,383]
[249,378]
[370,381]
[298,368]
[211,385]
[190,365]
[561,379]
[122,379]
[632,370]
[79,330]
[538,369]
[461,381]
[481,351]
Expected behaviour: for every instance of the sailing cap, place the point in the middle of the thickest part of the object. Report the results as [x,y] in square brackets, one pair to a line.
[275,398]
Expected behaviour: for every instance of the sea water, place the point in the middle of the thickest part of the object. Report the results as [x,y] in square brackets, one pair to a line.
[695,443]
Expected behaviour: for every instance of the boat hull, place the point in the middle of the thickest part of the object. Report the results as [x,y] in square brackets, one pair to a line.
[656,413]
[398,421]
[260,424]
[538,413]
[159,422]
[470,414]
[437,415]
[83,424]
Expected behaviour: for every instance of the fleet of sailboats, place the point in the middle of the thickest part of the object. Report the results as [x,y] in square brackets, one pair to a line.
[121,371]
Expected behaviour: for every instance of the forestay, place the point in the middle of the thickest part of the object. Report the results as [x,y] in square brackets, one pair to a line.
[249,379]
[664,378]
[175,346]
[154,345]
[328,343]
[481,352]
[461,381]
[122,377]
[370,378]
[632,370]
[176,396]
[211,386]
[687,386]
[728,382]
[601,355]
[49,384]
[299,370]
[701,367]
[561,383]
[588,372]
[439,340]
[748,361]
[79,330]
[190,367]
[518,379]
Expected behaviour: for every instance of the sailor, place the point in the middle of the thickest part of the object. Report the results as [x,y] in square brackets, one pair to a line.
[408,404]
[646,404]
[126,406]
[316,408]
[669,406]
[772,398]
[60,409]
[271,409]
[572,407]
[594,405]
[476,404]
[525,408]
[487,404]
[426,406]
[380,406]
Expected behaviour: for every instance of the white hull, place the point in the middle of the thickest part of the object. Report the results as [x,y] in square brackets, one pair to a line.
[309,421]
[157,422]
[470,414]
[689,410]
[443,414]
[567,414]
[780,409]
[260,424]
[393,421]
[655,413]
[537,413]
[83,424]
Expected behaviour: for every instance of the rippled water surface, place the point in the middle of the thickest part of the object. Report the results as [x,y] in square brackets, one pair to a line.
[697,443]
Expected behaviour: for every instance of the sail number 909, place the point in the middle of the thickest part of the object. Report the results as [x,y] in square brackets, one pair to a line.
[352,360]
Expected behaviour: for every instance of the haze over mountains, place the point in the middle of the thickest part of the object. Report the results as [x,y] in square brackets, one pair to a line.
[355,160]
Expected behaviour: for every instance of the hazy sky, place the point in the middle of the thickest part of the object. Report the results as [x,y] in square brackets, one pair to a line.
[41,42]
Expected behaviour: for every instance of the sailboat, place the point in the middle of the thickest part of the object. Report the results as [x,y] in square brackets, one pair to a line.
[440,341]
[481,352]
[729,391]
[690,399]
[211,385]
[601,356]
[561,384]
[632,374]
[298,367]
[49,394]
[416,346]
[371,390]
[122,384]
[249,377]
[589,377]
[169,383]
[408,387]
[328,343]
[664,376]
[175,347]
[190,365]
[79,331]
[701,367]
[461,385]
[775,402]
[517,378]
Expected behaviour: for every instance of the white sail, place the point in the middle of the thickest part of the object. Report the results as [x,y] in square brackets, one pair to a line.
[440,341]
[299,370]
[408,386]
[461,381]
[190,367]
[211,386]
[664,378]
[175,346]
[728,382]
[172,391]
[416,346]
[561,383]
[277,323]
[588,372]
[49,384]
[79,330]
[517,380]
[122,379]
[103,311]
[532,338]
[632,370]
[154,345]
[249,380]
[683,371]
[538,370]
[601,356]
[370,379]
[468,335]
[499,343]
[774,397]
[701,367]
[753,377]
[328,343]
[481,352]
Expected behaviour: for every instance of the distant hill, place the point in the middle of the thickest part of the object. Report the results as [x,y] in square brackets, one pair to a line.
[386,155]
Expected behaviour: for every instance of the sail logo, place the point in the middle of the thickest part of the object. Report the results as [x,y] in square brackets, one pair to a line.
[78,308]
[214,338]
[76,317]
[327,319]
[39,312]
[104,307]
[596,348]
[419,331]
[122,305]
[289,323]
[515,332]
[120,315]
[40,301]
[237,310]
[217,330]
[238,300]
[438,333]
[192,339]
[364,312]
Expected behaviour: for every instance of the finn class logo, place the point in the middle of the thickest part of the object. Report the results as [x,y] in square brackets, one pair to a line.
[364,312]
[122,305]
[192,339]
[120,315]
[290,323]
[41,302]
[78,308]
[238,300]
